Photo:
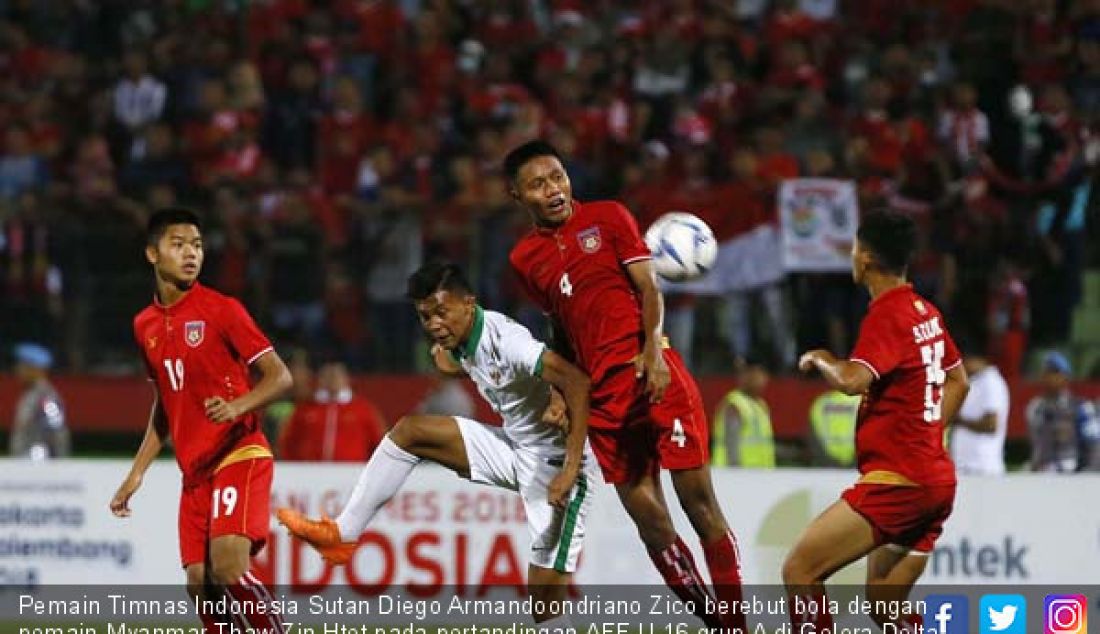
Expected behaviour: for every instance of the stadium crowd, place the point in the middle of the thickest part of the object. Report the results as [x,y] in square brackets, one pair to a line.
[335,144]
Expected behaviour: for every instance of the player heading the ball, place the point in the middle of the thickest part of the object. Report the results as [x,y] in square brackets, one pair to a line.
[586,265]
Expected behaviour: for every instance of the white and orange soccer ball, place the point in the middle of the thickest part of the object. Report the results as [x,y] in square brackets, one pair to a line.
[683,246]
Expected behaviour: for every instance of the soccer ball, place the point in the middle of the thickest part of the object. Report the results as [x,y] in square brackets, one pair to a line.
[683,246]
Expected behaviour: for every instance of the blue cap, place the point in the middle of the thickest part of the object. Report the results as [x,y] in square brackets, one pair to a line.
[33,355]
[1055,361]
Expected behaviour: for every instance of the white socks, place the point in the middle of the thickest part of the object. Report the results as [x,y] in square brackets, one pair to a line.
[560,622]
[383,476]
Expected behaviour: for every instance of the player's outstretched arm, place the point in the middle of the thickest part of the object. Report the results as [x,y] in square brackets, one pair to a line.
[847,376]
[574,386]
[155,433]
[955,388]
[444,362]
[274,380]
[652,362]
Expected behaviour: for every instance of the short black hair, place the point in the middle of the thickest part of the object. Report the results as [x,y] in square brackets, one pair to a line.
[437,276]
[519,156]
[166,217]
[891,236]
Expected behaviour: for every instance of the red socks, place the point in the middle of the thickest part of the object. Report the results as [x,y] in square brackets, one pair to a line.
[724,563]
[677,568]
[252,597]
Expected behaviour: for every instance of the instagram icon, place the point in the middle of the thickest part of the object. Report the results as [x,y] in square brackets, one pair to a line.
[1066,614]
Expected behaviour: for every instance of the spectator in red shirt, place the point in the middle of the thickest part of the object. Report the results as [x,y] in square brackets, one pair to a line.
[336,426]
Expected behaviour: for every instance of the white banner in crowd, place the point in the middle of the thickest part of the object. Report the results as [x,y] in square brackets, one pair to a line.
[818,219]
[55,528]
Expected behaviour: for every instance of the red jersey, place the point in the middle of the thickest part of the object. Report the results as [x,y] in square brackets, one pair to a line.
[576,272]
[346,430]
[198,348]
[904,342]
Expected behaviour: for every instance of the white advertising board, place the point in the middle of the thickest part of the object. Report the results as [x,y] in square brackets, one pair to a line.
[55,528]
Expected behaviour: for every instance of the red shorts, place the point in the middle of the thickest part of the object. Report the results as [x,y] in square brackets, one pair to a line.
[632,437]
[235,501]
[911,517]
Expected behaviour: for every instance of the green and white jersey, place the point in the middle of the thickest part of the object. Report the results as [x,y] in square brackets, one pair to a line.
[505,362]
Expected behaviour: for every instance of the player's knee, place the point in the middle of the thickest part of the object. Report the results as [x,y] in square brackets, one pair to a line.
[227,571]
[405,432]
[796,572]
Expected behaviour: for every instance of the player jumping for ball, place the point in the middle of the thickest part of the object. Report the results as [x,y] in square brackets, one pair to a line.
[198,345]
[513,372]
[587,266]
[911,377]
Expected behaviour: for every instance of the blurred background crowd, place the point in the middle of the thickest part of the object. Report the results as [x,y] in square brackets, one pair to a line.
[334,144]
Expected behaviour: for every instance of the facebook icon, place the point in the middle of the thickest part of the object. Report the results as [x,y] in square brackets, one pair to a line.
[946,614]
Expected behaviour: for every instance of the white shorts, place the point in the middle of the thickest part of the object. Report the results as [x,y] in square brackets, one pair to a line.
[557,535]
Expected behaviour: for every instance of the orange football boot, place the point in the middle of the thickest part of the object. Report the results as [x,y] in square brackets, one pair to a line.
[322,534]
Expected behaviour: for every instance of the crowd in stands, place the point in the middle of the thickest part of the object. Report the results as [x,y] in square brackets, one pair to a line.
[333,145]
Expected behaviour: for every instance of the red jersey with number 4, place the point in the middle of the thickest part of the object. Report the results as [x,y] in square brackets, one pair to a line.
[198,348]
[577,273]
[904,342]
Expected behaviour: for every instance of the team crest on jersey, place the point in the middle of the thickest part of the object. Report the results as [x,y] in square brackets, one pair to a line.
[589,239]
[193,333]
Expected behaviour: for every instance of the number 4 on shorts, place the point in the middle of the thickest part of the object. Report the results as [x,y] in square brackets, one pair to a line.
[678,435]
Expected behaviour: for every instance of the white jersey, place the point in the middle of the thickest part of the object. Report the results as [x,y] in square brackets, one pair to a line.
[977,453]
[505,362]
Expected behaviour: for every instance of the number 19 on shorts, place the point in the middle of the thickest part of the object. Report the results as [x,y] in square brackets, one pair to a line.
[225,500]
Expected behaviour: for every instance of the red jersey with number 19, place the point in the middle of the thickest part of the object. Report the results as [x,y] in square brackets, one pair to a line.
[577,273]
[198,348]
[904,342]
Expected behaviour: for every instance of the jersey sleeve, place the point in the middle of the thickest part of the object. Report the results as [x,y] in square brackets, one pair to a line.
[242,334]
[521,351]
[951,357]
[625,236]
[877,348]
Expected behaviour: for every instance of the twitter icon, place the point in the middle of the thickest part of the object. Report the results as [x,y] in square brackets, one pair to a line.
[1003,614]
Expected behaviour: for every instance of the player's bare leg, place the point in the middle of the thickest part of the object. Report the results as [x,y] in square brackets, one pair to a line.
[548,587]
[891,573]
[833,540]
[412,439]
[435,438]
[228,569]
[695,491]
[200,589]
[644,501]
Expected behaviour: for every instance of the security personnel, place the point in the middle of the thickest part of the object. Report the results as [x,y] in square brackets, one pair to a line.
[742,433]
[39,430]
[833,429]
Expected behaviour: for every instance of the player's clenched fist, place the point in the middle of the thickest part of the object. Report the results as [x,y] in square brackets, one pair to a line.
[556,413]
[120,503]
[220,410]
[558,491]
